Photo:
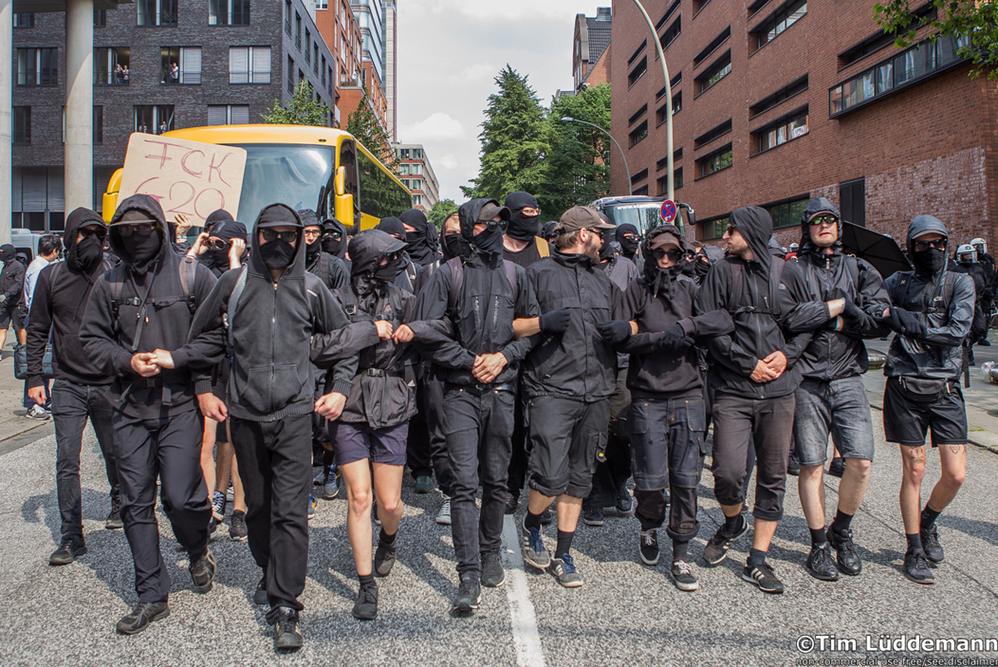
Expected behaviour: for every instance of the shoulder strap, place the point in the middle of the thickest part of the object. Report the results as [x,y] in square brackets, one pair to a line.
[188,272]
[852,264]
[775,276]
[543,247]
[456,280]
[736,281]
[511,276]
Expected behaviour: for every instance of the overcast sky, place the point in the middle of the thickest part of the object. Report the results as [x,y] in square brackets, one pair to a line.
[449,52]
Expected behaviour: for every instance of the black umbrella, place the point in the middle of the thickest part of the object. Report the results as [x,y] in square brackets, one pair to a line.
[880,250]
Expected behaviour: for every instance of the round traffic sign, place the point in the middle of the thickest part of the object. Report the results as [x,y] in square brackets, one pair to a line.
[668,211]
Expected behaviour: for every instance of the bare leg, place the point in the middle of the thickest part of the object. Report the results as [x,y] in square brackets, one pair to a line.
[537,502]
[223,465]
[953,460]
[569,508]
[763,533]
[388,489]
[852,488]
[812,495]
[912,472]
[239,496]
[207,447]
[357,477]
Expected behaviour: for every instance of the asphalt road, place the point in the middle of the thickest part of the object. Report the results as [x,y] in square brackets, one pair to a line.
[626,613]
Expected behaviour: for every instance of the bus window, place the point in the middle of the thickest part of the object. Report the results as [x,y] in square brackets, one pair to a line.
[380,195]
[286,174]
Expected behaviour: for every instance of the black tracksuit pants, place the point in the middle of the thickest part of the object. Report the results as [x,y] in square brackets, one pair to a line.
[432,406]
[171,449]
[275,465]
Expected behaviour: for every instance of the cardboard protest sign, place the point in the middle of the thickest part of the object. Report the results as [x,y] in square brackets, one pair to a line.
[184,176]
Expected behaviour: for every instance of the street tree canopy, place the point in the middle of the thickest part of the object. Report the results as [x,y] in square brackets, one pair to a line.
[364,126]
[440,211]
[302,109]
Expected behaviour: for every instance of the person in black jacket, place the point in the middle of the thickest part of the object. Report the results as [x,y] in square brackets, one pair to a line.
[334,240]
[78,391]
[421,237]
[839,296]
[629,238]
[411,275]
[331,270]
[269,310]
[143,305]
[755,377]
[667,416]
[11,284]
[478,367]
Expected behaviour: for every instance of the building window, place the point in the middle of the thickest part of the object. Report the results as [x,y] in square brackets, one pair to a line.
[180,65]
[111,66]
[698,5]
[291,75]
[640,176]
[100,18]
[315,62]
[720,69]
[22,125]
[780,96]
[405,182]
[663,183]
[156,12]
[638,134]
[637,114]
[905,69]
[404,169]
[787,213]
[249,64]
[98,125]
[416,169]
[228,114]
[154,119]
[781,131]
[714,228]
[715,162]
[671,33]
[677,155]
[774,25]
[298,30]
[287,16]
[643,190]
[417,200]
[712,134]
[308,46]
[24,20]
[713,46]
[323,68]
[668,13]
[228,12]
[881,39]
[37,67]
[637,72]
[321,4]
[677,106]
[417,184]
[37,199]
[852,201]
[404,152]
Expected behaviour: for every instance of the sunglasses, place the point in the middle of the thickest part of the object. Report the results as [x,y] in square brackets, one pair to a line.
[270,235]
[938,244]
[823,220]
[632,237]
[674,255]
[730,228]
[492,225]
[218,244]
[142,229]
[332,235]
[99,232]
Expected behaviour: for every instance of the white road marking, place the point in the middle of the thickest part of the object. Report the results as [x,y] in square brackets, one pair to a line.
[525,635]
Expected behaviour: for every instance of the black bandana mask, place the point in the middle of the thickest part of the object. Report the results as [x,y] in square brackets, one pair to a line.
[629,247]
[488,242]
[330,245]
[388,272]
[929,262]
[452,242]
[312,250]
[523,227]
[89,252]
[220,257]
[277,254]
[140,249]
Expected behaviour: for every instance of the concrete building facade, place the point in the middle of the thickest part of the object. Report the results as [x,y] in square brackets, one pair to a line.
[417,174]
[391,69]
[777,102]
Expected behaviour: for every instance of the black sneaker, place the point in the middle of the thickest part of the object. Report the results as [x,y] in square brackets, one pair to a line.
[384,558]
[366,607]
[930,544]
[203,571]
[424,484]
[493,575]
[113,521]
[648,546]
[141,616]
[819,564]
[511,503]
[260,594]
[916,568]
[237,526]
[837,467]
[762,576]
[592,516]
[68,551]
[682,574]
[847,559]
[624,500]
[717,548]
[287,636]
[469,595]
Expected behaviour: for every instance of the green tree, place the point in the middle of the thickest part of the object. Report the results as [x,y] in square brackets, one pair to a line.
[513,139]
[440,211]
[302,109]
[976,19]
[364,125]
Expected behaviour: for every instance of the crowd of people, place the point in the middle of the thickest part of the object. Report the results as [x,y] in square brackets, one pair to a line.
[572,357]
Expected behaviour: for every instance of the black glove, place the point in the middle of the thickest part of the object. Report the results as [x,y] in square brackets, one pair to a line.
[906,323]
[555,322]
[674,339]
[614,332]
[853,312]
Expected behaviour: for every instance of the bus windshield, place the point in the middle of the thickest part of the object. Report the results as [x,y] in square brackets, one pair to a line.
[643,215]
[297,175]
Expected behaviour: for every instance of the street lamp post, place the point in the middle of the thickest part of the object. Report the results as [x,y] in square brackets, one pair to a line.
[668,103]
[569,119]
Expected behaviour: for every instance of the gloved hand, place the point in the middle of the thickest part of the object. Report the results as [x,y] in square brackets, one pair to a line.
[674,339]
[852,312]
[614,331]
[906,323]
[555,321]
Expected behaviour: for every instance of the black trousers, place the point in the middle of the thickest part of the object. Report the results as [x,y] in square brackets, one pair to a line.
[275,465]
[72,405]
[419,454]
[615,468]
[171,449]
[520,454]
[432,406]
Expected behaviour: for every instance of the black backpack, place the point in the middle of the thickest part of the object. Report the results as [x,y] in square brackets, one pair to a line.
[775,276]
[456,265]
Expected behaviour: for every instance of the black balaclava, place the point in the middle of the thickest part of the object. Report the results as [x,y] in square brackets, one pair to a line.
[522,227]
[607,251]
[141,250]
[628,248]
[453,245]
[489,243]
[278,254]
[310,218]
[929,262]
[368,278]
[216,216]
[87,254]
[422,242]
[226,230]
[331,245]
[7,253]
[394,227]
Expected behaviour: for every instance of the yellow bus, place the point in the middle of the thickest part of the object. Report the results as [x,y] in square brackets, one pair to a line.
[320,168]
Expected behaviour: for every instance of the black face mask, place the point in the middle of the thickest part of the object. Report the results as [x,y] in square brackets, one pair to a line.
[929,262]
[452,242]
[489,242]
[89,252]
[701,265]
[388,272]
[140,249]
[220,257]
[523,227]
[330,245]
[415,238]
[277,254]
[312,250]
[629,247]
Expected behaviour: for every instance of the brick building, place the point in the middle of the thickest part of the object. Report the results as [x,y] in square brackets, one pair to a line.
[339,29]
[591,48]
[417,174]
[777,102]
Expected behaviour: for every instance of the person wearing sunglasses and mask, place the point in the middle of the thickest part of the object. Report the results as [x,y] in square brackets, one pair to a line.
[137,311]
[932,309]
[334,241]
[482,295]
[58,302]
[629,238]
[667,415]
[327,267]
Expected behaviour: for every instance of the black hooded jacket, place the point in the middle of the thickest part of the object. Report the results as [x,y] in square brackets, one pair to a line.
[11,277]
[658,300]
[825,276]
[341,250]
[152,313]
[411,276]
[524,229]
[423,247]
[482,314]
[577,363]
[758,324]
[58,307]
[331,270]
[269,332]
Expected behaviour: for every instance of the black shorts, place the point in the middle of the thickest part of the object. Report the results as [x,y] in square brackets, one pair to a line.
[11,313]
[564,436]
[906,421]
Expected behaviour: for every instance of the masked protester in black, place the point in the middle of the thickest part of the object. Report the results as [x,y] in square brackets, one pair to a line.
[523,244]
[932,311]
[328,268]
[421,237]
[411,275]
[135,329]
[478,366]
[334,240]
[548,232]
[629,239]
[11,285]
[967,263]
[78,391]
[273,307]
[219,260]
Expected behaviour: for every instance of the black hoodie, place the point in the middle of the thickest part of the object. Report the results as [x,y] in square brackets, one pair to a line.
[165,317]
[423,247]
[58,308]
[269,332]
[482,314]
[758,324]
[11,278]
[657,300]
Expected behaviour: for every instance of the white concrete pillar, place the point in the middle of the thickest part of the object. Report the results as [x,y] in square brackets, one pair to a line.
[6,100]
[79,161]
